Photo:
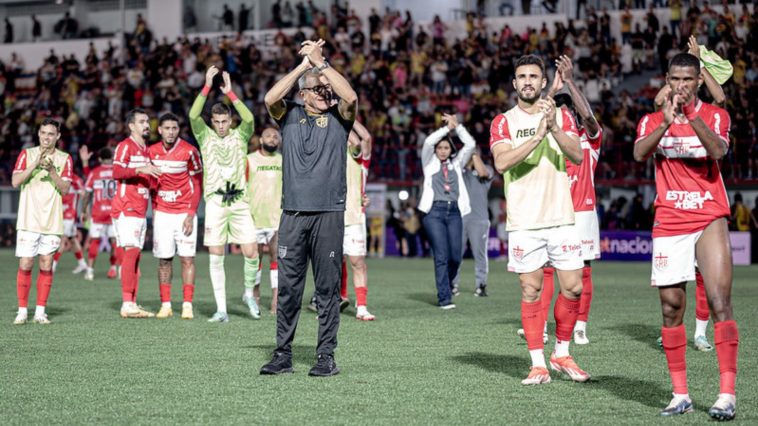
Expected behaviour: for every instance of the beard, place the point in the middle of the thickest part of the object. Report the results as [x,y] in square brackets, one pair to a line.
[527,99]
[270,148]
[146,134]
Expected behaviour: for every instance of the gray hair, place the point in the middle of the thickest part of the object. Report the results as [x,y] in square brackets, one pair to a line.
[301,80]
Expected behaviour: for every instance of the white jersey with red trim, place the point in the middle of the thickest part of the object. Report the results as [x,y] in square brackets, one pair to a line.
[582,176]
[101,184]
[71,200]
[133,190]
[537,189]
[176,188]
[40,205]
[689,186]
[356,176]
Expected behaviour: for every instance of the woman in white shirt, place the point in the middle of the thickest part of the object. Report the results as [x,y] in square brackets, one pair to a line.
[445,201]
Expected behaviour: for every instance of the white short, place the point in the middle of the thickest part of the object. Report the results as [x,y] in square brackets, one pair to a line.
[228,224]
[674,259]
[69,228]
[354,241]
[31,244]
[169,238]
[130,231]
[530,250]
[100,230]
[588,231]
[265,235]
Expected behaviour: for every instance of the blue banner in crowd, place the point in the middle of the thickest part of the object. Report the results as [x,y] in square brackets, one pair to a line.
[626,245]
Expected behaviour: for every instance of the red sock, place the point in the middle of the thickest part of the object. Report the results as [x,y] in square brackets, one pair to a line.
[119,256]
[44,282]
[566,311]
[23,284]
[586,298]
[165,291]
[57,256]
[727,339]
[128,273]
[113,259]
[675,346]
[360,295]
[701,301]
[189,292]
[94,247]
[78,255]
[343,284]
[273,265]
[533,323]
[548,290]
[137,275]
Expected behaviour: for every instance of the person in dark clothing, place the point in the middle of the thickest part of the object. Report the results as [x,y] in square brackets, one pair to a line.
[8,31]
[242,17]
[36,28]
[314,159]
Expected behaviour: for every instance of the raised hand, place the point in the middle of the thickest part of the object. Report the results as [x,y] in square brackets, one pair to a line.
[693,48]
[450,120]
[557,84]
[313,51]
[210,74]
[547,107]
[669,109]
[85,154]
[663,94]
[227,86]
[566,67]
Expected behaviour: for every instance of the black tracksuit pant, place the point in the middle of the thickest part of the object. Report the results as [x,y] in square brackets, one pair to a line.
[314,236]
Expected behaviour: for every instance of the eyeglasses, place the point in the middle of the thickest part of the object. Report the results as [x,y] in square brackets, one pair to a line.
[320,90]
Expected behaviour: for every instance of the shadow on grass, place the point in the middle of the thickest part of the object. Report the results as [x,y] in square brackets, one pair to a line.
[644,333]
[513,366]
[428,298]
[624,388]
[305,354]
[516,322]
[54,311]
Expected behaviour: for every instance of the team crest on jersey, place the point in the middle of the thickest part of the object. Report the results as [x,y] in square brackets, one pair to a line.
[518,252]
[282,252]
[661,261]
[322,121]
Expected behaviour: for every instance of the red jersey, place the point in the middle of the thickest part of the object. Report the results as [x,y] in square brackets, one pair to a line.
[101,184]
[180,186]
[582,176]
[690,190]
[71,200]
[133,190]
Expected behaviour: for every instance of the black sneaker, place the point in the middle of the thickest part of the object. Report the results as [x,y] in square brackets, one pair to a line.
[312,306]
[325,366]
[280,363]
[344,303]
[481,291]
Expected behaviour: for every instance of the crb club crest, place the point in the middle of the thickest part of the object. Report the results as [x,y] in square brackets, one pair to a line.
[518,252]
[322,121]
[661,261]
[282,251]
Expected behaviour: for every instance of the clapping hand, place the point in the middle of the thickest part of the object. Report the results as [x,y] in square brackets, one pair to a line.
[210,74]
[450,120]
[312,51]
[227,86]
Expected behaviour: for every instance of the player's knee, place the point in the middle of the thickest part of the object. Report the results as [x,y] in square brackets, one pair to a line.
[165,262]
[187,261]
[26,263]
[671,310]
[45,263]
[721,308]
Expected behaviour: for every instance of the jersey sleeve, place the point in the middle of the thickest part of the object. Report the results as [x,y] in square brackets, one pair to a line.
[499,132]
[68,169]
[199,128]
[121,169]
[645,127]
[246,127]
[596,140]
[194,164]
[20,162]
[568,124]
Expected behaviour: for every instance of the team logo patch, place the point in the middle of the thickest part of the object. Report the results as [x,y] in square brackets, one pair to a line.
[322,121]
[282,252]
[518,252]
[661,261]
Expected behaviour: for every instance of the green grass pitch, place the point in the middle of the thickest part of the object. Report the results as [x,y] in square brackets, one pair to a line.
[415,364]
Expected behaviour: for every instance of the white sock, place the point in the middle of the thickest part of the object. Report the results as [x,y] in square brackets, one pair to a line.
[23,311]
[39,311]
[218,280]
[700,327]
[82,263]
[187,305]
[361,310]
[274,276]
[125,306]
[561,348]
[249,291]
[580,325]
[682,395]
[258,277]
[538,358]
[166,304]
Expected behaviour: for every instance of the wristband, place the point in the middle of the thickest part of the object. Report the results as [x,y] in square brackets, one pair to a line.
[205,91]
[690,111]
[232,96]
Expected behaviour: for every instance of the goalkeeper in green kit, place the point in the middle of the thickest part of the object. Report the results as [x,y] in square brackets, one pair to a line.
[227,212]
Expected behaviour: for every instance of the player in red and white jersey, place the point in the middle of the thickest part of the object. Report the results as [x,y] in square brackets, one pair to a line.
[134,175]
[100,190]
[530,144]
[687,138]
[69,241]
[175,200]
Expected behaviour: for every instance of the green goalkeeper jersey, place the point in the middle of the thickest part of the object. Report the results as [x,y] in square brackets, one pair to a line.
[224,158]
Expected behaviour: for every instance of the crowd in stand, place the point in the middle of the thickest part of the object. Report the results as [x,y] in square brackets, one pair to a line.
[406,76]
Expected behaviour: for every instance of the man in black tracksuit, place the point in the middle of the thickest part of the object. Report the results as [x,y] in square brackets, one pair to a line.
[314,156]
